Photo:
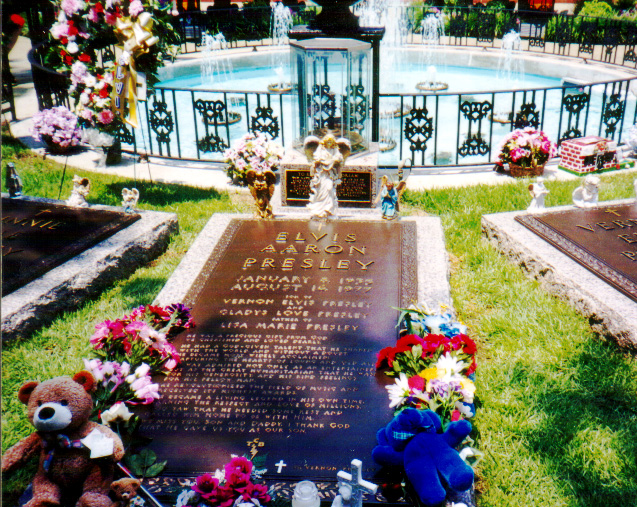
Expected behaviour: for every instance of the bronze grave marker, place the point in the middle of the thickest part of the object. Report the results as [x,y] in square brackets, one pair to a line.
[38,236]
[355,189]
[290,315]
[602,239]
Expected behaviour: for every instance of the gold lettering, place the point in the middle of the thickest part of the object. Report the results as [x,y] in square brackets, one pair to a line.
[289,249]
[318,238]
[269,248]
[334,249]
[267,263]
[350,238]
[621,223]
[365,266]
[288,264]
[311,248]
[626,238]
[342,264]
[631,255]
[324,265]
[588,227]
[307,263]
[299,237]
[353,248]
[282,237]
[248,262]
[604,226]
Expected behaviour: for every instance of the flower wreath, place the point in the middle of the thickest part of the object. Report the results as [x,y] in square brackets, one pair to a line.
[80,45]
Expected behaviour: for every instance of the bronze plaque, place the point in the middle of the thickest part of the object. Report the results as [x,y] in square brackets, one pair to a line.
[602,239]
[290,315]
[37,236]
[355,189]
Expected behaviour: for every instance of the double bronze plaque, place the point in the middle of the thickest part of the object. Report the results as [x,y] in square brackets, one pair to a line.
[602,239]
[38,236]
[290,316]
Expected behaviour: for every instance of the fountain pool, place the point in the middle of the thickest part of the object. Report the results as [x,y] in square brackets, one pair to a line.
[472,75]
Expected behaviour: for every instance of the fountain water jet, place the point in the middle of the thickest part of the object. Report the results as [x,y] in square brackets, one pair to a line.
[433,29]
[281,24]
[214,61]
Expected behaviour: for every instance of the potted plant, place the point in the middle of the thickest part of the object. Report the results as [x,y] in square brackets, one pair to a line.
[526,151]
[252,151]
[58,128]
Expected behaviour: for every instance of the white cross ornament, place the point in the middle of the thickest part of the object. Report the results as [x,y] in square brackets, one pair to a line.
[353,482]
[279,466]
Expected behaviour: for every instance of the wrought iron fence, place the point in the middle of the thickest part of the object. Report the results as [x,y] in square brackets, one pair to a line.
[431,128]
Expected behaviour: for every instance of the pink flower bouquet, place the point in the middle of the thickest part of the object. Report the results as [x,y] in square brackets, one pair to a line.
[526,148]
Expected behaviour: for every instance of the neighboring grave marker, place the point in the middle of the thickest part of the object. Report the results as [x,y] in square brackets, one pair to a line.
[290,315]
[602,239]
[38,236]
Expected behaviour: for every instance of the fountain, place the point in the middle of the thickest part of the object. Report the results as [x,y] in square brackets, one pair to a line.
[281,24]
[510,68]
[433,29]
[214,61]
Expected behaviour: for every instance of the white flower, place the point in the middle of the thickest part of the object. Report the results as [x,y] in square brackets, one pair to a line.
[399,392]
[85,98]
[186,497]
[464,409]
[90,81]
[451,367]
[118,412]
[72,47]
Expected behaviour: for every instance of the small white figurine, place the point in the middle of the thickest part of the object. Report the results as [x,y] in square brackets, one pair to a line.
[327,157]
[538,191]
[352,486]
[586,195]
[130,199]
[81,188]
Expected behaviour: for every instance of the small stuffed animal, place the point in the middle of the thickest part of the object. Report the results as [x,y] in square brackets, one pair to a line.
[124,491]
[77,456]
[412,440]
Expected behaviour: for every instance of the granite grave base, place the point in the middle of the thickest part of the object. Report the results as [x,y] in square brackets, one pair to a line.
[66,286]
[332,382]
[611,313]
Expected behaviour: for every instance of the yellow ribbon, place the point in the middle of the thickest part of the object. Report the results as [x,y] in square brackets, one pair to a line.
[136,38]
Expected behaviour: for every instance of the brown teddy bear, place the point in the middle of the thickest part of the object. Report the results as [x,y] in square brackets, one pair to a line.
[124,491]
[77,456]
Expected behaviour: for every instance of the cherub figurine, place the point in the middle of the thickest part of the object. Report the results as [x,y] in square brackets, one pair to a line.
[130,198]
[261,186]
[538,191]
[390,196]
[586,195]
[327,157]
[13,183]
[81,188]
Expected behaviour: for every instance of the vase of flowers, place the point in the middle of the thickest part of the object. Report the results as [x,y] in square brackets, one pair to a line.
[526,151]
[58,128]
[252,151]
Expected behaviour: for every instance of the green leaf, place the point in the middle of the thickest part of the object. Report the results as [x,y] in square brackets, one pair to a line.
[155,469]
[134,462]
[147,457]
[259,460]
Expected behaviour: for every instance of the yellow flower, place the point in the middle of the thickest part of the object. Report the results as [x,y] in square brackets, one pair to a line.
[430,373]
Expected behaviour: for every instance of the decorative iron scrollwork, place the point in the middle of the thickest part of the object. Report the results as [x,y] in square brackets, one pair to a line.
[418,129]
[574,104]
[265,121]
[322,106]
[212,143]
[357,106]
[630,56]
[475,111]
[457,27]
[527,116]
[473,145]
[213,112]
[485,27]
[124,135]
[161,121]
[562,31]
[613,112]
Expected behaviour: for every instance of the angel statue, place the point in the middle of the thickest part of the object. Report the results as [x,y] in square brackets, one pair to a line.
[261,184]
[327,157]
[391,192]
[81,188]
[130,198]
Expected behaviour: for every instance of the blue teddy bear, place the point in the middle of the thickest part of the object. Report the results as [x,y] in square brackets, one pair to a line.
[412,440]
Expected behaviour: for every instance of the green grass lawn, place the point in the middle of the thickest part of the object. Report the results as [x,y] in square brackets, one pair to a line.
[557,414]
